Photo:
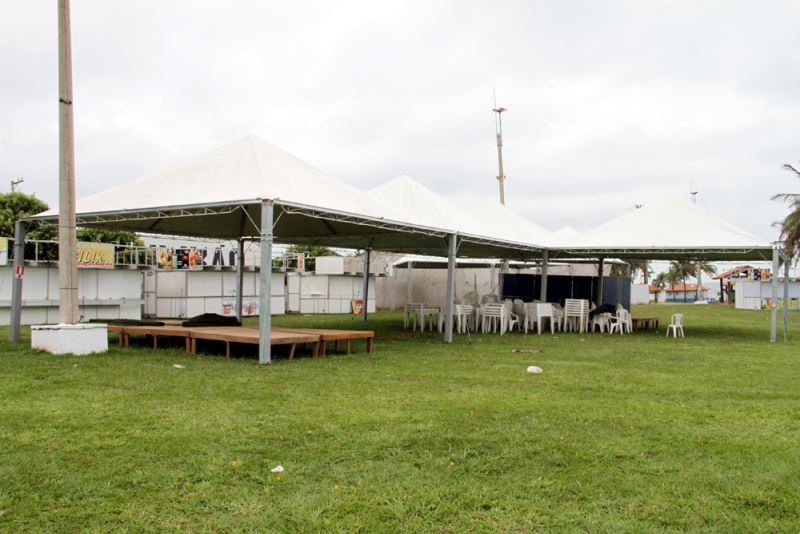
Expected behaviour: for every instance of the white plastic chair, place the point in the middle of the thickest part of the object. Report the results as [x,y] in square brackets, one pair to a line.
[412,313]
[519,307]
[544,311]
[576,315]
[601,321]
[510,317]
[463,315]
[675,325]
[529,318]
[493,316]
[621,321]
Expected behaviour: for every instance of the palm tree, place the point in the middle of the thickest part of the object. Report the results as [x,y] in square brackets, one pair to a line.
[673,275]
[790,226]
[660,282]
[701,267]
[682,269]
[641,266]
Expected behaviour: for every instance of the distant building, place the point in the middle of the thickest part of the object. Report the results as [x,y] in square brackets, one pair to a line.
[728,279]
[684,293]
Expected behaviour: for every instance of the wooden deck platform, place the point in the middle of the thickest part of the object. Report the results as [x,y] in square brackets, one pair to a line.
[644,323]
[244,334]
[316,337]
[327,335]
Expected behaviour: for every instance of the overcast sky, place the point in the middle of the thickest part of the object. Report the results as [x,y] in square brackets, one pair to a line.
[610,103]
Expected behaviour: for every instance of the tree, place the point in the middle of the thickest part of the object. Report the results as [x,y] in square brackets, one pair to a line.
[682,270]
[700,268]
[790,226]
[120,237]
[678,271]
[17,205]
[660,282]
[641,266]
[311,252]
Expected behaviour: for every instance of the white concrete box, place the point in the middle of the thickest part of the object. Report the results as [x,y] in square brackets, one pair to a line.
[77,339]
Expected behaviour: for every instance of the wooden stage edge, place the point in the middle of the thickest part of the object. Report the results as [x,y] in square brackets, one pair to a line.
[318,338]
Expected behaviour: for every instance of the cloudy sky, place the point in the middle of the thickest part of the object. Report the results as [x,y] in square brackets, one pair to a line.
[610,103]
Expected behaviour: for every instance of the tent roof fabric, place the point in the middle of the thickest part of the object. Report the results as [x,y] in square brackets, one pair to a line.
[667,229]
[218,194]
[420,205]
[246,170]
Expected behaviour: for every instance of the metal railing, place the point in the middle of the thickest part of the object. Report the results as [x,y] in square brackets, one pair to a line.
[46,251]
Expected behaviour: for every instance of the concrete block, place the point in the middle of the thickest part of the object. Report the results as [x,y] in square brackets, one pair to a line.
[77,339]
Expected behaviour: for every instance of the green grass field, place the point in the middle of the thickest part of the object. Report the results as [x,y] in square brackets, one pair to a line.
[623,433]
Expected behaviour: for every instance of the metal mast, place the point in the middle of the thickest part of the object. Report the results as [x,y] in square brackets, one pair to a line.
[67,263]
[501,178]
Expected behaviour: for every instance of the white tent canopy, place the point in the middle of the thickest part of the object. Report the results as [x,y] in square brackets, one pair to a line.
[420,205]
[218,194]
[668,229]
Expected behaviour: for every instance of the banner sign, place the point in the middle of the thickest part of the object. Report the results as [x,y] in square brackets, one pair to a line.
[180,258]
[95,255]
[3,251]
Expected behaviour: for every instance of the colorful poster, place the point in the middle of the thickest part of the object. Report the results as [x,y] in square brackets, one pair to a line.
[179,258]
[249,306]
[357,306]
[95,255]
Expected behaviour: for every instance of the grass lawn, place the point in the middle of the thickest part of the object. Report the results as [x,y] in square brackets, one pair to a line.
[622,433]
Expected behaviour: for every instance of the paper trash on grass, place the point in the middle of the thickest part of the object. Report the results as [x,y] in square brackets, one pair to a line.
[178,366]
[277,469]
[535,370]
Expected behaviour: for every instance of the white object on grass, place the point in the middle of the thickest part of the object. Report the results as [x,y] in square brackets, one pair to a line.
[277,469]
[535,370]
[178,366]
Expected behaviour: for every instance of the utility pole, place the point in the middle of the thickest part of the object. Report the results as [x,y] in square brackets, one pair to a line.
[499,131]
[67,264]
[15,183]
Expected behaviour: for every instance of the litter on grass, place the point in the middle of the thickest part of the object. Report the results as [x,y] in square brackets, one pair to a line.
[277,469]
[525,350]
[178,366]
[535,370]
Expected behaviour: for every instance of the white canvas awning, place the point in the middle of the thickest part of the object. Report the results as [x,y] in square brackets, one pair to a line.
[670,229]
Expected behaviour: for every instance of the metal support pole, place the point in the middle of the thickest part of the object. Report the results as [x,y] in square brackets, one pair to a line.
[773,322]
[451,287]
[265,308]
[20,228]
[410,275]
[365,292]
[786,260]
[240,280]
[543,289]
[493,290]
[599,297]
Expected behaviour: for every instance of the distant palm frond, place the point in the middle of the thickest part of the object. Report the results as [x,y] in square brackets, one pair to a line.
[790,168]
